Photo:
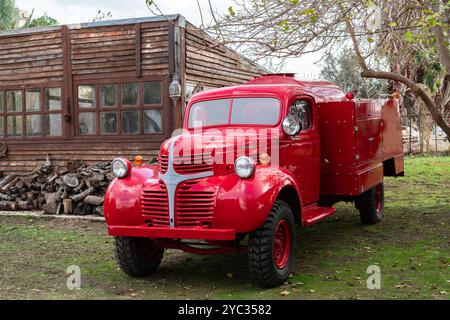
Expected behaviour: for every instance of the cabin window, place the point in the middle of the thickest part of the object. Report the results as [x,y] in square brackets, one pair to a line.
[130,93]
[152,92]
[152,121]
[303,110]
[14,101]
[133,108]
[33,100]
[30,113]
[14,124]
[86,97]
[108,95]
[108,122]
[53,99]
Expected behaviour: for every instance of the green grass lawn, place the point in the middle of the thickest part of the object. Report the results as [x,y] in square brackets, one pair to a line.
[411,247]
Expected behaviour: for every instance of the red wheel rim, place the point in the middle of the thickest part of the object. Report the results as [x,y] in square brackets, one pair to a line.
[378,199]
[282,244]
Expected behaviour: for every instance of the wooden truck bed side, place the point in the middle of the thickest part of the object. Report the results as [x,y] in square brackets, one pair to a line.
[356,139]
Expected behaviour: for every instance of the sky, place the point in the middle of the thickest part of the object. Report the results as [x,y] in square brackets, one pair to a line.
[76,11]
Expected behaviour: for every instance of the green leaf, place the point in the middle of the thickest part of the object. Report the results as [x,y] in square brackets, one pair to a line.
[409,37]
[370,40]
[284,25]
[306,12]
[231,11]
[294,2]
[392,24]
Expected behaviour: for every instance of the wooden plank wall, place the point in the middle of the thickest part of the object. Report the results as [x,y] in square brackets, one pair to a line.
[155,48]
[103,50]
[31,59]
[21,160]
[212,65]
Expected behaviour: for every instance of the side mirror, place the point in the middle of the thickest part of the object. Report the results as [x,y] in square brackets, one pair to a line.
[292,125]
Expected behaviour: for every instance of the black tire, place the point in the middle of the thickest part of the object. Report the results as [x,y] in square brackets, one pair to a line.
[138,257]
[371,205]
[261,255]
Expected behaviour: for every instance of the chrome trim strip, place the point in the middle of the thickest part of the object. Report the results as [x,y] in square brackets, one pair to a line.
[172,179]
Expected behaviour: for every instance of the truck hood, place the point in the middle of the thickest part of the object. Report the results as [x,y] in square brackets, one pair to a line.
[218,146]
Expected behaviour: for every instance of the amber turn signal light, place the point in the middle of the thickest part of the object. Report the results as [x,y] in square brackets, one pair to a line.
[264,158]
[138,160]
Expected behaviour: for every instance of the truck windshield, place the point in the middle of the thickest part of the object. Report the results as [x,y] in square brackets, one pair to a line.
[244,111]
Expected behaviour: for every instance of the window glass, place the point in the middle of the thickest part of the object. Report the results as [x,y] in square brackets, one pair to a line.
[302,109]
[53,99]
[1,101]
[33,125]
[130,122]
[33,100]
[108,122]
[86,96]
[107,95]
[152,92]
[52,125]
[152,121]
[86,121]
[1,127]
[209,113]
[130,94]
[259,111]
[14,126]
[14,101]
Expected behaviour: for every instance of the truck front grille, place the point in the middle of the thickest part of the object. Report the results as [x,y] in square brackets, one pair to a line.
[194,205]
[155,205]
[192,164]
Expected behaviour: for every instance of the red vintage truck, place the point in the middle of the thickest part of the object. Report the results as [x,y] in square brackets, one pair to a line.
[252,163]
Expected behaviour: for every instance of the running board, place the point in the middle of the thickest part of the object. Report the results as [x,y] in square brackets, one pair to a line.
[313,213]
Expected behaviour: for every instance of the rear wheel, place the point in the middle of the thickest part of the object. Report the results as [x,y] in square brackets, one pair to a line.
[138,257]
[371,205]
[271,247]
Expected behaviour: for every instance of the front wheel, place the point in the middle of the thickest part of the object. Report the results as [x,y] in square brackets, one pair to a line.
[138,257]
[371,205]
[271,247]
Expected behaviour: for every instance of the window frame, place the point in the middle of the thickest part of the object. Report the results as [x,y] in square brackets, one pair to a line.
[42,112]
[119,108]
[313,112]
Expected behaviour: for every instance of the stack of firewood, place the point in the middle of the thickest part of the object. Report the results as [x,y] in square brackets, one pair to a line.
[74,188]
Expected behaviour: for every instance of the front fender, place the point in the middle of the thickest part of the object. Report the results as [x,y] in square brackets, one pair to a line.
[244,204]
[121,205]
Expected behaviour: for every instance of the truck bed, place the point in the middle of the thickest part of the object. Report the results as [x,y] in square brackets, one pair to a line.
[360,143]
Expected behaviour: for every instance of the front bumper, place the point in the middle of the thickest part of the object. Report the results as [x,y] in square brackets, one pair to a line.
[172,233]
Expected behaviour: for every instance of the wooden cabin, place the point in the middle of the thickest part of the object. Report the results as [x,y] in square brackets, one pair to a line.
[94,91]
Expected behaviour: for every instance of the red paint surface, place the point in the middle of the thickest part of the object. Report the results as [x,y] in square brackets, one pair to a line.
[341,155]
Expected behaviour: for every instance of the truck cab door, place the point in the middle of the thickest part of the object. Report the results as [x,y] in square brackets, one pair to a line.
[302,156]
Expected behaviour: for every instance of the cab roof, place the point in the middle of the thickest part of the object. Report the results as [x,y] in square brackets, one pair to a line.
[278,84]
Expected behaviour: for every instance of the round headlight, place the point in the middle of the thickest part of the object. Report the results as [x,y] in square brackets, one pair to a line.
[119,168]
[244,167]
[291,125]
